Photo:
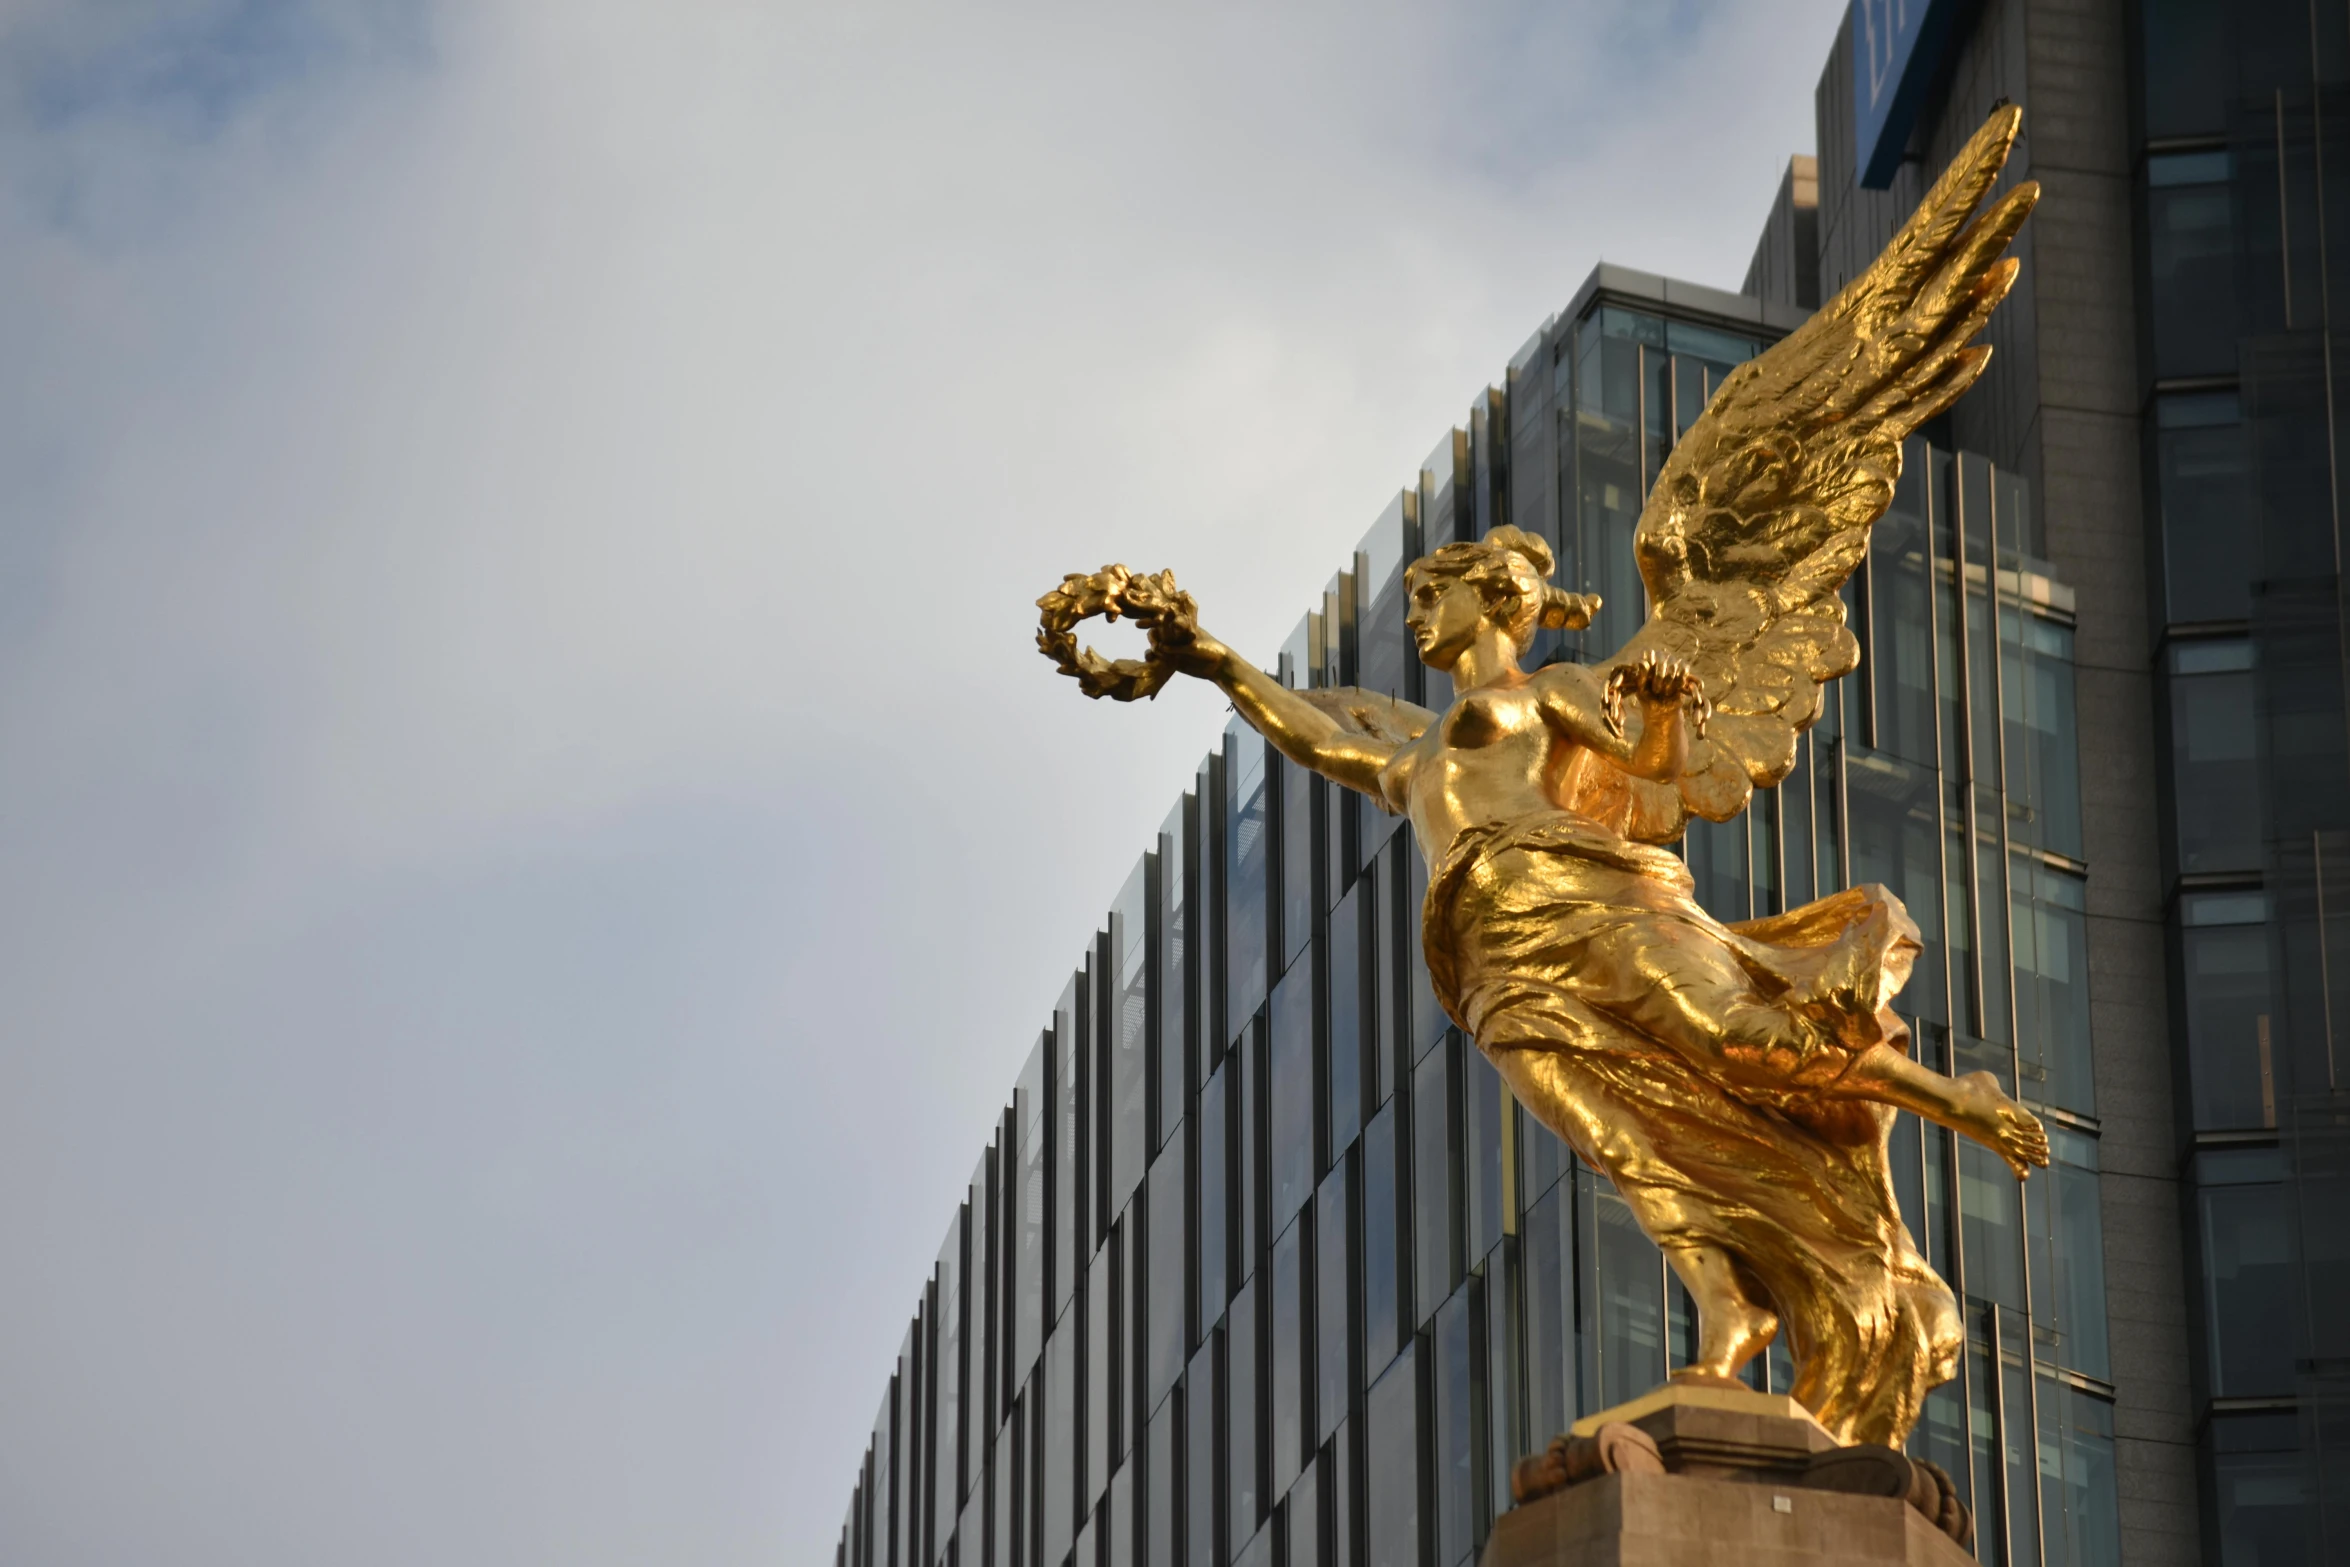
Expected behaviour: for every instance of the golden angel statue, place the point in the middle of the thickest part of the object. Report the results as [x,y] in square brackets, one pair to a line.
[1737,1082]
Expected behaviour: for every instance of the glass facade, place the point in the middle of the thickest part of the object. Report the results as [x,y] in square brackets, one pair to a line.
[2241,110]
[1264,1265]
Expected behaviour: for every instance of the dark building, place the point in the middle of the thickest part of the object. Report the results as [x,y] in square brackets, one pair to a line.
[1263,1266]
[2167,383]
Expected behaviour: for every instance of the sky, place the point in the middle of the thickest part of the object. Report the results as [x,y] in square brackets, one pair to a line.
[533,834]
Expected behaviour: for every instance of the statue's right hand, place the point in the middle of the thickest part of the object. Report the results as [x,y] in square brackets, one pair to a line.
[1181,642]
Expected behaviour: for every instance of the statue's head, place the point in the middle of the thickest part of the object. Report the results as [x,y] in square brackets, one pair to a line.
[1502,579]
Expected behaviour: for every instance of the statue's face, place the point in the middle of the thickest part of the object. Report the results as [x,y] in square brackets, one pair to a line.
[1444,618]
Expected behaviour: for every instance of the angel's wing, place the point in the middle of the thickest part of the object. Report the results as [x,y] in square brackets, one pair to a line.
[1763,509]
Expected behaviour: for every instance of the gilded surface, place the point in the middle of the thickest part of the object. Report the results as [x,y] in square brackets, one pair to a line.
[1737,1082]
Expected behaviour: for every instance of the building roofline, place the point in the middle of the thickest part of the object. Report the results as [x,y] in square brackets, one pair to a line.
[1647,290]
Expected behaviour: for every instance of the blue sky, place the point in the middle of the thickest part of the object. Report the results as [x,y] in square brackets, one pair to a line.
[534,836]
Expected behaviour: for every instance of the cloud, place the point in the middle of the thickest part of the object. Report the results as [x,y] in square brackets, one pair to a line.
[536,840]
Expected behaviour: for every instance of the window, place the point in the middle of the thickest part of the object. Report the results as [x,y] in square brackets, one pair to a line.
[1248,853]
[948,1382]
[1291,1387]
[2191,281]
[1300,792]
[1629,1294]
[2247,1272]
[1059,1412]
[2232,1053]
[1163,1321]
[2260,1490]
[1292,1149]
[1333,1301]
[2050,914]
[1896,840]
[1433,1270]
[2068,1254]
[1458,1426]
[1215,1196]
[1391,1529]
[1072,1237]
[1384,653]
[1990,1226]
[2189,66]
[1428,1019]
[1118,1520]
[1484,1103]
[2043,760]
[1244,1422]
[1174,983]
[1100,1369]
[1024,1213]
[1382,1230]
[1900,666]
[1162,1498]
[1345,949]
[2210,547]
[1127,1047]
[2215,767]
[1550,1316]
[1204,1412]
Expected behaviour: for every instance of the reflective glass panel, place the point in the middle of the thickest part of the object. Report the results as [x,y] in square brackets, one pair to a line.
[2191,293]
[1204,1413]
[2224,970]
[1248,852]
[1391,1525]
[1457,1426]
[1290,1388]
[2247,1273]
[1433,1205]
[1215,1195]
[2203,480]
[1630,1294]
[1550,1315]
[1129,1038]
[1382,1311]
[1346,1017]
[1244,1421]
[1333,1300]
[2261,1489]
[2215,768]
[2188,67]
[1291,1152]
[1173,992]
[1163,1318]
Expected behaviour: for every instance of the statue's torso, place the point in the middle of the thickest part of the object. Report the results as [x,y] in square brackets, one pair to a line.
[1492,757]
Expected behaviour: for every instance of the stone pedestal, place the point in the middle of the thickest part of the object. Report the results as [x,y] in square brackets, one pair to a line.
[1694,1476]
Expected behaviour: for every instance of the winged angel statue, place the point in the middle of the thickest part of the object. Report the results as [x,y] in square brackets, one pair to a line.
[1737,1082]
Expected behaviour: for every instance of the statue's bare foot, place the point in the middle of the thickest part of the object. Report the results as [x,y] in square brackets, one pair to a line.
[1986,1114]
[1729,1334]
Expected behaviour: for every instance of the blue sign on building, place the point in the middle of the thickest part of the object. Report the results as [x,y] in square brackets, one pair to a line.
[1896,46]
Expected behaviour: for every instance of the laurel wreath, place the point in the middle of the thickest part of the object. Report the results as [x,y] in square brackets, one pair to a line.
[1153,602]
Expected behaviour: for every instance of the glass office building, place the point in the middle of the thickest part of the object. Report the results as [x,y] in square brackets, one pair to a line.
[1263,1266]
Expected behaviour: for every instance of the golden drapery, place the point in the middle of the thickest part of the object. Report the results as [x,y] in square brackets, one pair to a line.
[1683,1058]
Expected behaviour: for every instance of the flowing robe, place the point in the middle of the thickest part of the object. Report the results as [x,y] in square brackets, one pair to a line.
[1683,1058]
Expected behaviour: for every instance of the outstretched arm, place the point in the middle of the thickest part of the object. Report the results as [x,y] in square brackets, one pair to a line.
[1299,730]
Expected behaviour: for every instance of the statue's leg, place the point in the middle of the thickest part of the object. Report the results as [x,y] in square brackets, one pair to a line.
[1731,1328]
